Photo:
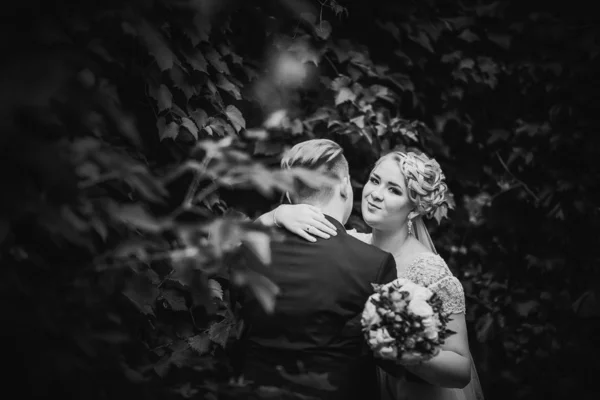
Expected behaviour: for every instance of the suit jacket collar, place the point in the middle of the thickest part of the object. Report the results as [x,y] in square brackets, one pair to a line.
[338,224]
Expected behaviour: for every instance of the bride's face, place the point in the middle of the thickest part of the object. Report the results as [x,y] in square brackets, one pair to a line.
[385,204]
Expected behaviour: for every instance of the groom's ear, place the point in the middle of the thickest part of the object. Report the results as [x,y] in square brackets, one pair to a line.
[345,188]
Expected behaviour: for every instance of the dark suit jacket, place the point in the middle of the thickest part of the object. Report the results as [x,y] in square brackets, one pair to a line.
[316,322]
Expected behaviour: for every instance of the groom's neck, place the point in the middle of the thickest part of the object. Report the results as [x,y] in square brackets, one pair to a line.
[334,209]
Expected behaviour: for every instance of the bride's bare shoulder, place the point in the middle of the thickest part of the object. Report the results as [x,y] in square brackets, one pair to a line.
[412,251]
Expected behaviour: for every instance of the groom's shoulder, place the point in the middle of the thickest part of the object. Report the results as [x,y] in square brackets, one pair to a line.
[378,264]
[365,249]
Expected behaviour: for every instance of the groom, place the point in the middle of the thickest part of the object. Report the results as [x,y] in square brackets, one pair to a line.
[315,326]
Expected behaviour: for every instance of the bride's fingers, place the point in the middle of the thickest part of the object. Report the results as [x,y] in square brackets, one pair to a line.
[305,235]
[327,229]
[330,227]
[317,229]
[320,216]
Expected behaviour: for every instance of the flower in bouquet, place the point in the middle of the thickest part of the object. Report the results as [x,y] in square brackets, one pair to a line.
[404,321]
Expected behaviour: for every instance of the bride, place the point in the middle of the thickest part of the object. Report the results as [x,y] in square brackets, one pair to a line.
[402,188]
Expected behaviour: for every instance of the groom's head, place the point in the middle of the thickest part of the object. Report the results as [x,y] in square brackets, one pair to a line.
[327,157]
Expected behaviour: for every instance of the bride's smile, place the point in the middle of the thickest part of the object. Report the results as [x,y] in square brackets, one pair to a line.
[384,200]
[372,207]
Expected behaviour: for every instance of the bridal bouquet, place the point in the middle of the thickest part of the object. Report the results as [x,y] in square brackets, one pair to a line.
[404,321]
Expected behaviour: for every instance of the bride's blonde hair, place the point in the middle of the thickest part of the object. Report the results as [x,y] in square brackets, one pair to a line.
[424,180]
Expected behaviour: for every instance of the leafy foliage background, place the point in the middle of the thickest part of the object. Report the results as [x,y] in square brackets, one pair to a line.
[138,136]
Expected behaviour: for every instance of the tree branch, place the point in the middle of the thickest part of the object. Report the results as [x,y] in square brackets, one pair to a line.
[101,179]
[189,196]
[527,189]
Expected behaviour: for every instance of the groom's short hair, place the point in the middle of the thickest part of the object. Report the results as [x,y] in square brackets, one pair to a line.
[323,155]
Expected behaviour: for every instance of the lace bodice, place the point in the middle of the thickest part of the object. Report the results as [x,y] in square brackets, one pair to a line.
[430,270]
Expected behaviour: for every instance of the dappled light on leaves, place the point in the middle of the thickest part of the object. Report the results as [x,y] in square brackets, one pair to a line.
[291,66]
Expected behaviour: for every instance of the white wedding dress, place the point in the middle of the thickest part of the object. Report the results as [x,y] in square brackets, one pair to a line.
[429,270]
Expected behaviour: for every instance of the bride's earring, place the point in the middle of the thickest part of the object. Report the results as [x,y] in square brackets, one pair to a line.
[410,227]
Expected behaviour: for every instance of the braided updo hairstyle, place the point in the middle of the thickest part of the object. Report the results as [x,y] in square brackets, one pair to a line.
[424,180]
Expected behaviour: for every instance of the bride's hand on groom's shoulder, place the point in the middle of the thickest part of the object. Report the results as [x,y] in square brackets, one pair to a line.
[304,220]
